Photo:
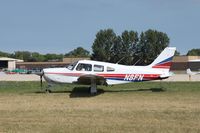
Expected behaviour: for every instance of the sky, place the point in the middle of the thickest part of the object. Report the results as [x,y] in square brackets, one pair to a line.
[59,26]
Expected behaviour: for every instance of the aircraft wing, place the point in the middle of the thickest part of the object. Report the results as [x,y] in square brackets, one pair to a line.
[87,79]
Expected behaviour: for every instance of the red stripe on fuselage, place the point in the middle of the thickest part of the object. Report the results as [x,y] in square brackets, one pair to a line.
[164,65]
[107,75]
[66,74]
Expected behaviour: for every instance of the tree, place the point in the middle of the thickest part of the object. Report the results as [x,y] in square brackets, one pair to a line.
[53,57]
[193,52]
[37,57]
[111,48]
[150,45]
[78,52]
[4,54]
[103,45]
[129,43]
[177,53]
[124,48]
[23,55]
[116,54]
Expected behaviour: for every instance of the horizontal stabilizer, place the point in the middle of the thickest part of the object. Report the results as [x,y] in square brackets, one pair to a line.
[189,72]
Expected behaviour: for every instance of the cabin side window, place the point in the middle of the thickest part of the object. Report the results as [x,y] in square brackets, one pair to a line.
[84,67]
[98,68]
[110,69]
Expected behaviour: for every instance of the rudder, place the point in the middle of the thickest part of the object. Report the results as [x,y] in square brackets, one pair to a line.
[164,60]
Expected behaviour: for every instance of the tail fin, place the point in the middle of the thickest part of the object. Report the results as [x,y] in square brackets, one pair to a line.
[164,60]
[189,72]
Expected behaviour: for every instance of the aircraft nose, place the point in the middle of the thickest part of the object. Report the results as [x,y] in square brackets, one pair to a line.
[45,74]
[41,73]
[46,70]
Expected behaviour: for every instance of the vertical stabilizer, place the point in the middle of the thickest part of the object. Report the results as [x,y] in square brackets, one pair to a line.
[164,60]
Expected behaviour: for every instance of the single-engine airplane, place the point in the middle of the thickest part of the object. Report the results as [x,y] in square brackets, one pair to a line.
[102,73]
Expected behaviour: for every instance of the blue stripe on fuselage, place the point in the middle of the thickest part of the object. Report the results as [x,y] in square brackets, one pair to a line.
[122,79]
[166,60]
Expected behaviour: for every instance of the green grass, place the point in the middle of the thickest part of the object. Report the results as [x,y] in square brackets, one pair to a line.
[31,87]
[148,107]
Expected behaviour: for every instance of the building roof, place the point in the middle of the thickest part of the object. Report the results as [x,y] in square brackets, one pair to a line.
[40,63]
[197,60]
[10,59]
[184,58]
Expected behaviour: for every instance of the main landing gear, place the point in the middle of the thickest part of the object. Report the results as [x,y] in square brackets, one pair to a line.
[93,87]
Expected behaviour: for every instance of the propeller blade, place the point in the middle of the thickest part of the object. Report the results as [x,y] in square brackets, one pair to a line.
[41,74]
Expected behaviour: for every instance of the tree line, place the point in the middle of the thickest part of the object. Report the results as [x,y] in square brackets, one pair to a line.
[32,56]
[128,48]
[37,57]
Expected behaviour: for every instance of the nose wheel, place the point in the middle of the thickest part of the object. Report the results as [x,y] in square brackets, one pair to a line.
[48,90]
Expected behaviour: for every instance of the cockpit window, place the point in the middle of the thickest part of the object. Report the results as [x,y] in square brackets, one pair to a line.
[84,67]
[71,66]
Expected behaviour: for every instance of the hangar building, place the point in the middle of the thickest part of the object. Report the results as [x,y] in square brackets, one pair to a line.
[8,63]
[41,65]
[181,63]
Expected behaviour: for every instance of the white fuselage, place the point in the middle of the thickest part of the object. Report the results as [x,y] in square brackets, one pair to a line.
[113,73]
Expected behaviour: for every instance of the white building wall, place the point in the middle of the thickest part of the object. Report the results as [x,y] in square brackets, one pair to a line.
[11,65]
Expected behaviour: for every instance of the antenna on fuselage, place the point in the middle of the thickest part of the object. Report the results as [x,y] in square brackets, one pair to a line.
[125,56]
[133,64]
[136,62]
[120,60]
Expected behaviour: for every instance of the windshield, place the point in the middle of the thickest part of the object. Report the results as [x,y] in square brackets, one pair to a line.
[71,66]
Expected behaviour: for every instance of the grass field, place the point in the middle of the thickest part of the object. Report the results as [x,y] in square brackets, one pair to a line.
[150,107]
